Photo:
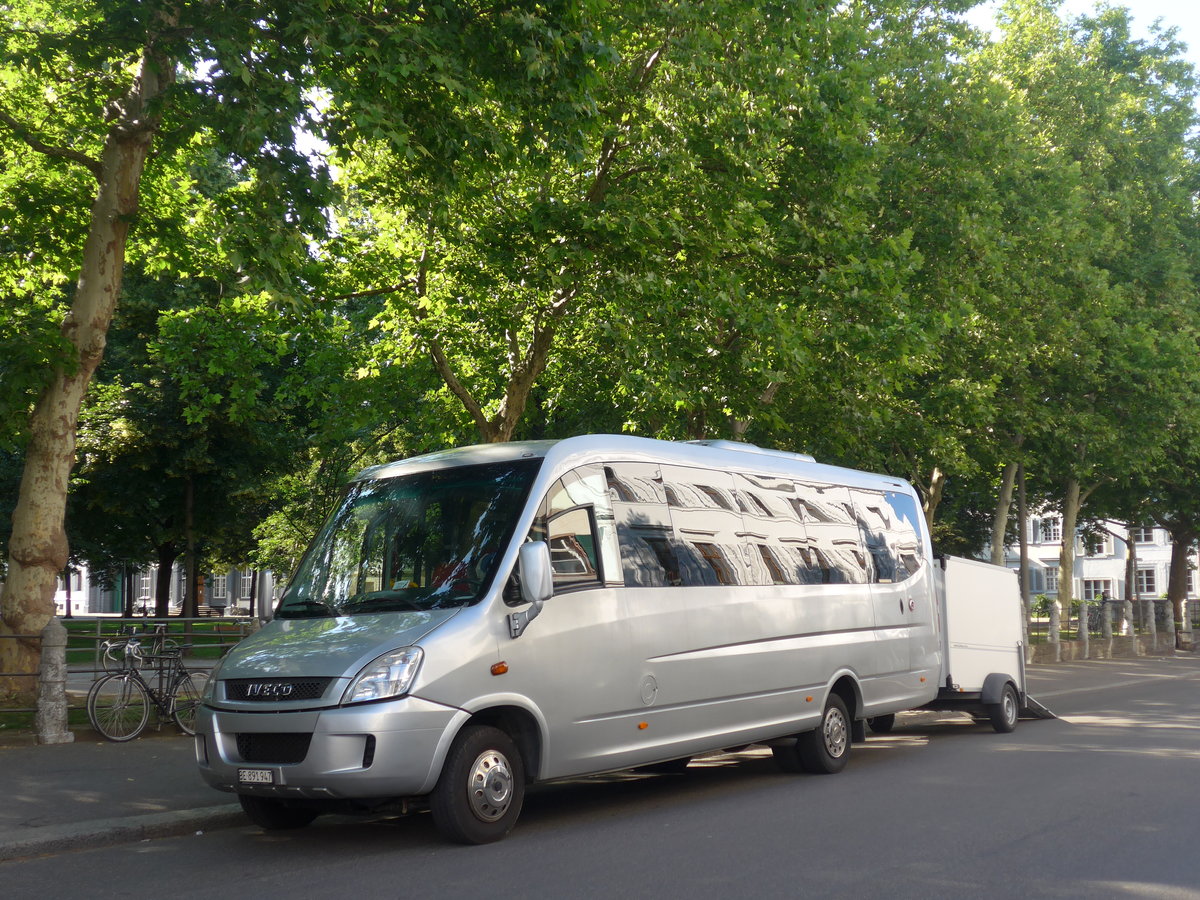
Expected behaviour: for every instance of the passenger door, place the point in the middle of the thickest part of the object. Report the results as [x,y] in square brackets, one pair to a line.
[573,660]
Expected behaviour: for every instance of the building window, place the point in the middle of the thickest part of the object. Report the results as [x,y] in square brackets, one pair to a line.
[1141,535]
[1051,573]
[1147,583]
[1096,589]
[247,585]
[1051,530]
[1037,581]
[220,587]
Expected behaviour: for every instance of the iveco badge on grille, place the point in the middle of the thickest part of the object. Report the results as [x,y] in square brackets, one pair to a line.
[262,690]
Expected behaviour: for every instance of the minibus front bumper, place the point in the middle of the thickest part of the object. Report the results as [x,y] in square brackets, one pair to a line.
[391,749]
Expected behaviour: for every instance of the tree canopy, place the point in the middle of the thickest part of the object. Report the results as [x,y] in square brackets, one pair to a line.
[864,230]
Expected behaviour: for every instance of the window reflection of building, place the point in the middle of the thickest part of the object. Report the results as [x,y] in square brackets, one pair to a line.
[678,525]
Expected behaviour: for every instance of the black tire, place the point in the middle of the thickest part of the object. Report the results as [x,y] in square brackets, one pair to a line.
[481,789]
[825,749]
[118,707]
[276,815]
[882,724]
[1004,715]
[185,702]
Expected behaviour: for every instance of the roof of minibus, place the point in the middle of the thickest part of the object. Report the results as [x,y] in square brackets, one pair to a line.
[567,453]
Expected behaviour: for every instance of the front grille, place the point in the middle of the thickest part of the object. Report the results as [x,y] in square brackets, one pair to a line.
[266,690]
[278,749]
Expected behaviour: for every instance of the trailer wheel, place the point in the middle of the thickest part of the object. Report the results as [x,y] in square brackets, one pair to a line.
[882,724]
[1004,715]
[481,789]
[824,751]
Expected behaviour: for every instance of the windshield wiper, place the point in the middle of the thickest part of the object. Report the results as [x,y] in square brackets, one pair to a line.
[305,609]
[380,601]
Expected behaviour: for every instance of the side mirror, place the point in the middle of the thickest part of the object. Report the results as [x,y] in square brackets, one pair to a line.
[537,584]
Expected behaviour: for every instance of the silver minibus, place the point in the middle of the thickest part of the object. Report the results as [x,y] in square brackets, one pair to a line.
[471,621]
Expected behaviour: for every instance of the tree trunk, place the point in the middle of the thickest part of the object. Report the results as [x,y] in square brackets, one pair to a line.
[1182,540]
[191,604]
[1000,516]
[937,484]
[1072,503]
[167,554]
[127,607]
[38,546]
[1023,518]
[1130,583]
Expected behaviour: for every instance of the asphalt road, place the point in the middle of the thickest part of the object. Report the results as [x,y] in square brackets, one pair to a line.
[1102,802]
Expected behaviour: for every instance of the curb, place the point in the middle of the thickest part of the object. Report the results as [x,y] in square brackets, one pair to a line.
[107,832]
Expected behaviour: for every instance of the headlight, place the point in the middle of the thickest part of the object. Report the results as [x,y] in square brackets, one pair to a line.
[390,675]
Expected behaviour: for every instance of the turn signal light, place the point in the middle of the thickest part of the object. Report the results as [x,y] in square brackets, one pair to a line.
[499,668]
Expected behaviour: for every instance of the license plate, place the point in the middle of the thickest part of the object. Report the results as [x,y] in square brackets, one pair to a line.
[255,776]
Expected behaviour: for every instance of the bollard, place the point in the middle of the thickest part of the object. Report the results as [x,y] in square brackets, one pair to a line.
[51,717]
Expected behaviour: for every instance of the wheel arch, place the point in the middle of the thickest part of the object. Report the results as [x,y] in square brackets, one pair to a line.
[993,688]
[846,686]
[519,724]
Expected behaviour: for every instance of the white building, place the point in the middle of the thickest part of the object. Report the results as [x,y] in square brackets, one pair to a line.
[229,593]
[1100,569]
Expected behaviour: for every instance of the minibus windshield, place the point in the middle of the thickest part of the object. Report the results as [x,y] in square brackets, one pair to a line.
[430,540]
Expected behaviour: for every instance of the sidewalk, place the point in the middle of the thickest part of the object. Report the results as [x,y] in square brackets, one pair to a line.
[93,793]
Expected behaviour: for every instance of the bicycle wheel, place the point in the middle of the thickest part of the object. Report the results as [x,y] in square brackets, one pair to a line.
[185,700]
[118,707]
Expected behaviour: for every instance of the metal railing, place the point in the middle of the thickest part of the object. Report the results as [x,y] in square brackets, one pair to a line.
[210,638]
[1150,617]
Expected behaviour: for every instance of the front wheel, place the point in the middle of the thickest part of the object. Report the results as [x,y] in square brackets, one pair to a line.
[1004,715]
[185,700]
[118,707]
[481,789]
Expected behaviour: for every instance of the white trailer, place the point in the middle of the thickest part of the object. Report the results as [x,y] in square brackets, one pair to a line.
[983,648]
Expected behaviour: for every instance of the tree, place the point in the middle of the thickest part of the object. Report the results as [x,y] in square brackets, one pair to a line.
[1121,356]
[91,87]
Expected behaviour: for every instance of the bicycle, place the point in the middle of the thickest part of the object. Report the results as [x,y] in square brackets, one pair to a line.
[113,657]
[118,704]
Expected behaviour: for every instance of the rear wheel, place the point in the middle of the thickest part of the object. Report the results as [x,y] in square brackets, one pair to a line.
[1004,715]
[275,815]
[824,750]
[481,789]
[118,707]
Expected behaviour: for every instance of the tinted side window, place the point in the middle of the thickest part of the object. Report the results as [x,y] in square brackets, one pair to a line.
[707,526]
[833,534]
[582,494]
[890,530]
[905,538]
[773,530]
[649,556]
[573,556]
